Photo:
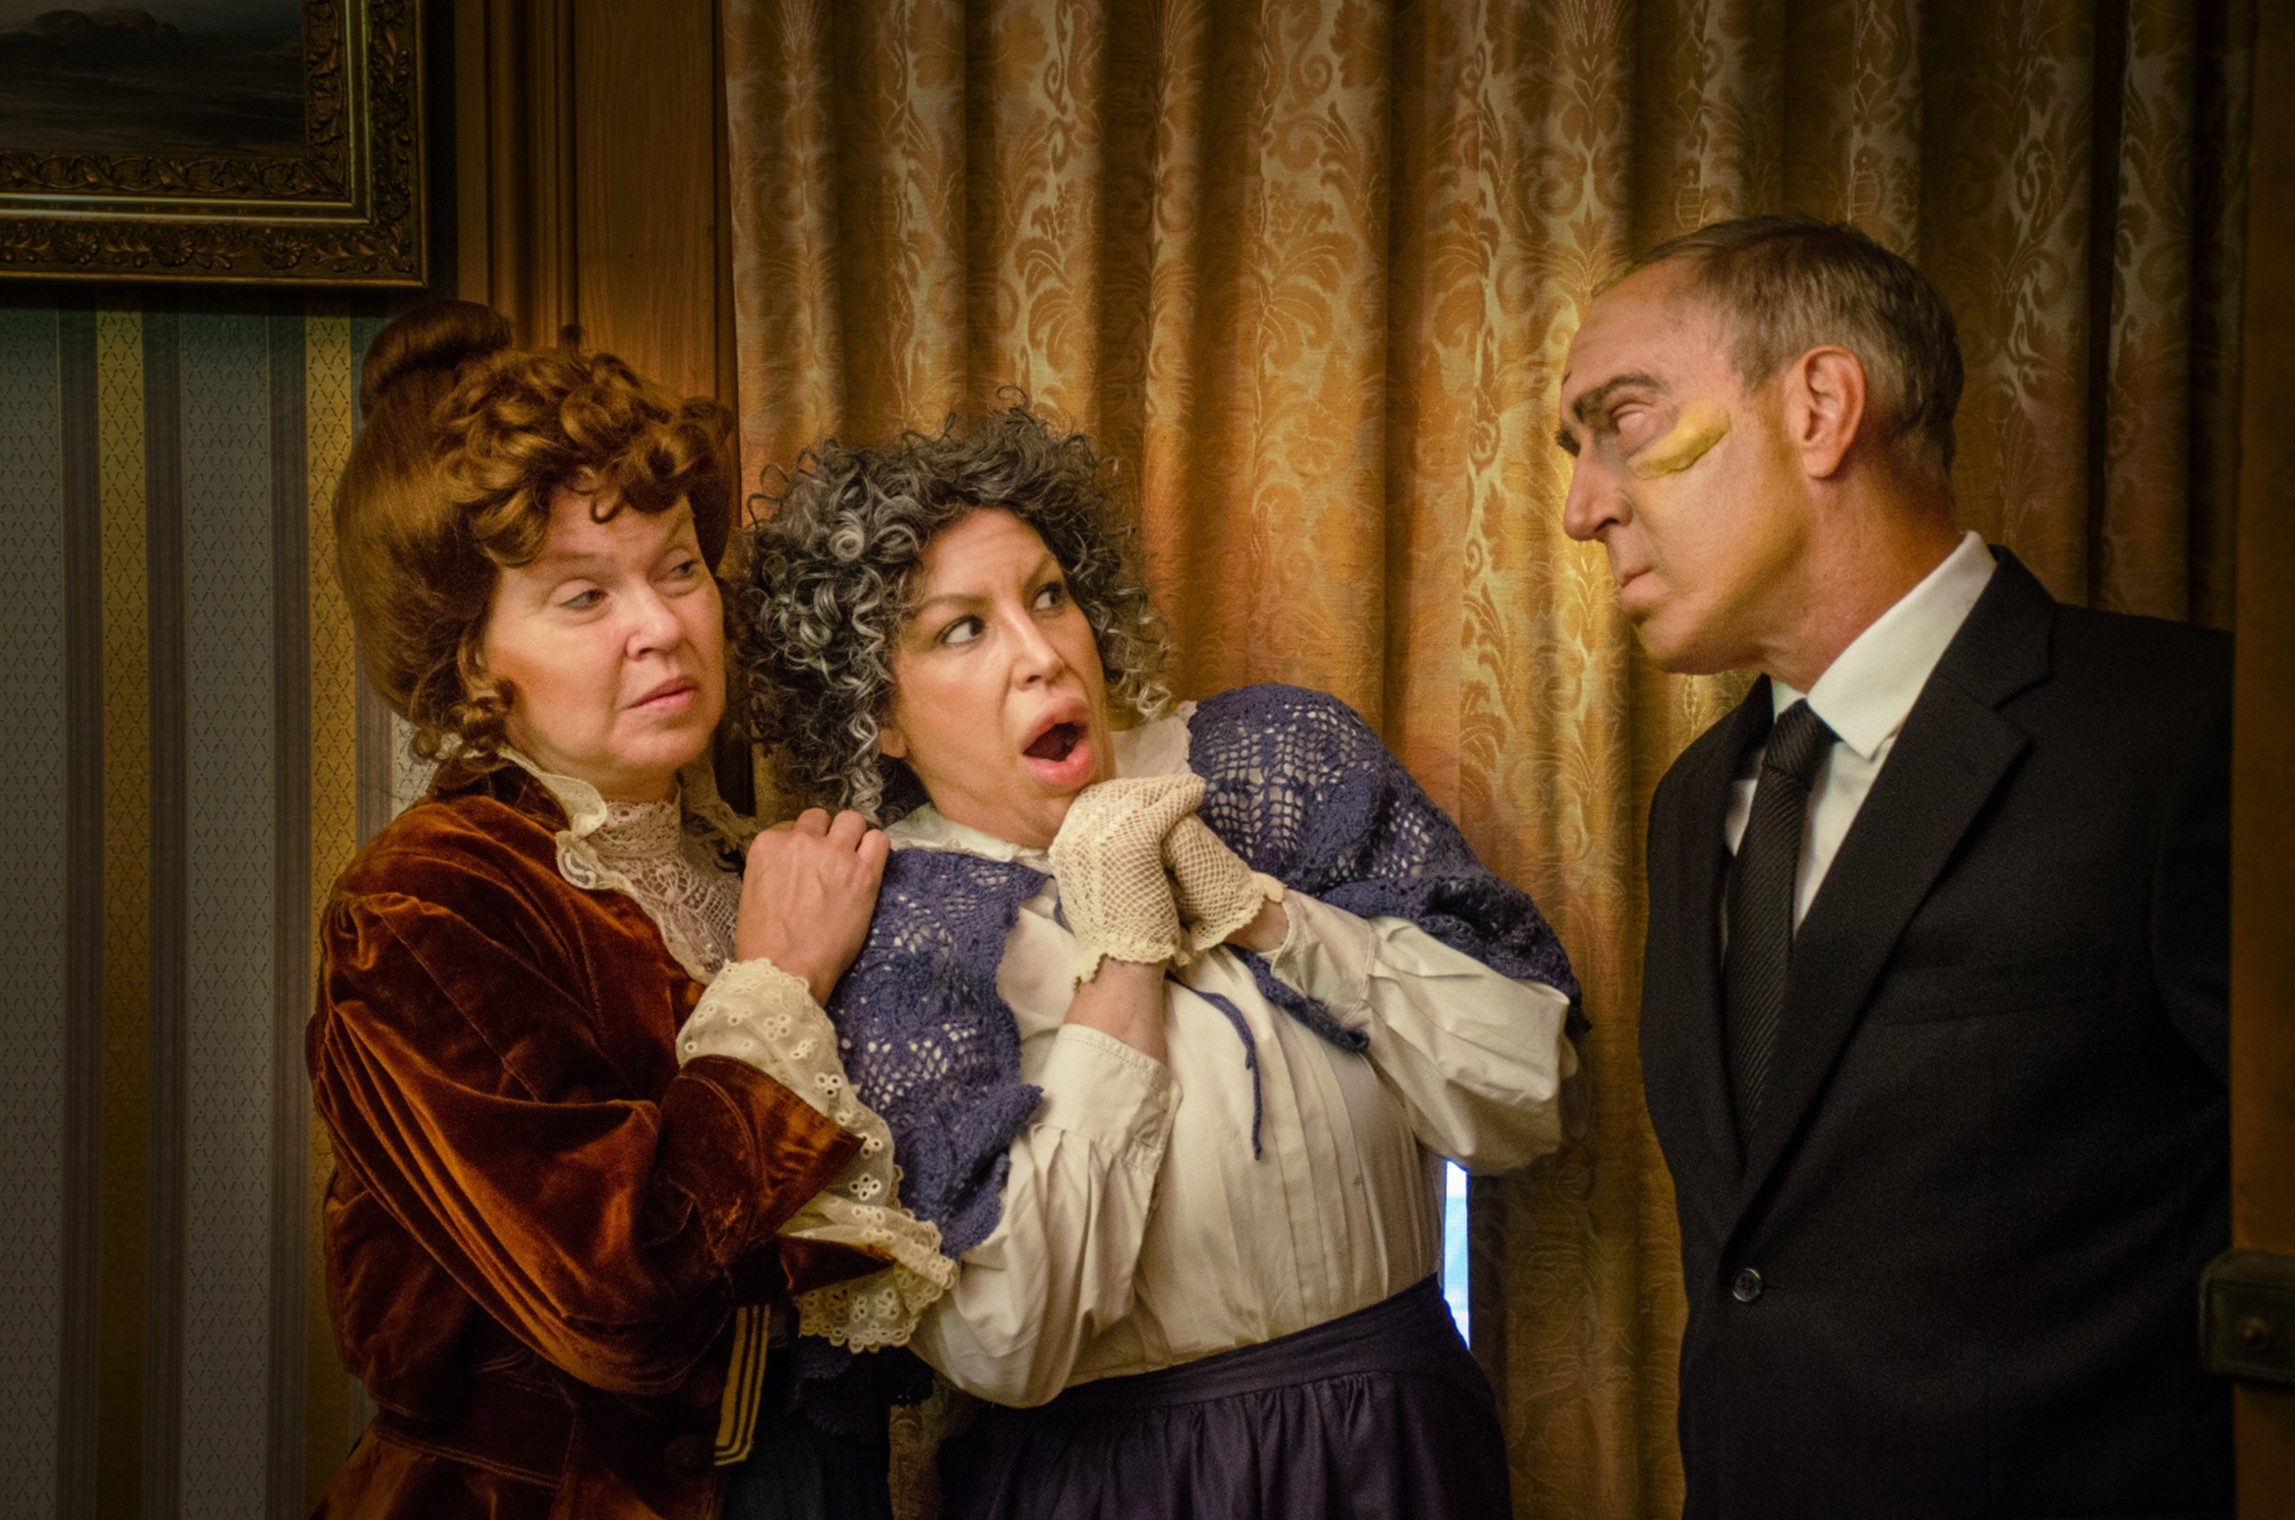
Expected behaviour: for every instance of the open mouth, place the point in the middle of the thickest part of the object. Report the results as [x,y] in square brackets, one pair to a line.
[1061,756]
[1056,743]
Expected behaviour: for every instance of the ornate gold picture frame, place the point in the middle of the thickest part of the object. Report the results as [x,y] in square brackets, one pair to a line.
[233,141]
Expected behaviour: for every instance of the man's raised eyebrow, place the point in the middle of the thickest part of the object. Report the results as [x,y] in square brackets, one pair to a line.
[1593,400]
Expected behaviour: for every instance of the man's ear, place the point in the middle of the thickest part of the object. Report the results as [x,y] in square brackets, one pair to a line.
[1824,408]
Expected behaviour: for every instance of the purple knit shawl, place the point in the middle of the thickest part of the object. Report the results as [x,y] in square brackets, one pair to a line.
[1299,786]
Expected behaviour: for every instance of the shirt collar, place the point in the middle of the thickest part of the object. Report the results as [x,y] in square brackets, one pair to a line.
[1154,748]
[1867,692]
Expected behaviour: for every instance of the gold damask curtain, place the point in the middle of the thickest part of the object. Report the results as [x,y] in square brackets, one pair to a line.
[1310,271]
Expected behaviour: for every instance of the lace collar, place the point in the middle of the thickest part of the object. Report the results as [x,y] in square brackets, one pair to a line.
[700,810]
[675,859]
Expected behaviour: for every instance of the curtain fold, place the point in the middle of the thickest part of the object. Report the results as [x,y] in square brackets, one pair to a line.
[1310,270]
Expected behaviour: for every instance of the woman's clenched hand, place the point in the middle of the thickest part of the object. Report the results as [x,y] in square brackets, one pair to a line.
[1108,857]
[808,893]
[1220,899]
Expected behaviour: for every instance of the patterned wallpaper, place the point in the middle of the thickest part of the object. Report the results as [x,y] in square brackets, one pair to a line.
[184,747]
[33,913]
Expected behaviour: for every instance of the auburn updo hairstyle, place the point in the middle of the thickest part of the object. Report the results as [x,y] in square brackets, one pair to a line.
[467,442]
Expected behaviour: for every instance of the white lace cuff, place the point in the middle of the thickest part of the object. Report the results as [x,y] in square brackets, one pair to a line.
[758,1014]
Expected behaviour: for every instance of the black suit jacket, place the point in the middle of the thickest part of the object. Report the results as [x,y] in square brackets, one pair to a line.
[1955,1271]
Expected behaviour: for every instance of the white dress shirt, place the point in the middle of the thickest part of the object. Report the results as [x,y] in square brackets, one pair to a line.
[1864,697]
[1138,1230]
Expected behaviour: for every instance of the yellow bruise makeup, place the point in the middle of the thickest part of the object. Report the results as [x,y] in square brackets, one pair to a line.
[1702,424]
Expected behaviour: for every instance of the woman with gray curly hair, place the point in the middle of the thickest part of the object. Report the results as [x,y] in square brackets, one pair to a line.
[1099,900]
[827,590]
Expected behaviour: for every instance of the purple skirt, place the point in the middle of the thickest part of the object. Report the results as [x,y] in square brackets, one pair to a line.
[1380,1413]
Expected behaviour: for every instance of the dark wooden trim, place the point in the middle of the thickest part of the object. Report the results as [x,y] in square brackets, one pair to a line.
[721,226]
[2263,748]
[591,179]
[2108,92]
[515,161]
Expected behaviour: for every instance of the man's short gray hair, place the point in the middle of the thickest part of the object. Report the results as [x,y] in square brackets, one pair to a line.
[1787,284]
[830,576]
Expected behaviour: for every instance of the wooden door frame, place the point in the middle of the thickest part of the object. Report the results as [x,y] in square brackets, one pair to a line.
[590,179]
[2263,749]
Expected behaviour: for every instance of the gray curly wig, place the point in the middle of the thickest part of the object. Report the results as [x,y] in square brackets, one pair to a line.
[828,581]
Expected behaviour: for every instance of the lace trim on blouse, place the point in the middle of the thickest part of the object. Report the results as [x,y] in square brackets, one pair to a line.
[668,858]
[770,1021]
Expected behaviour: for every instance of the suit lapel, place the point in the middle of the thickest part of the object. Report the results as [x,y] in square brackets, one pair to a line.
[1949,758]
[1684,1052]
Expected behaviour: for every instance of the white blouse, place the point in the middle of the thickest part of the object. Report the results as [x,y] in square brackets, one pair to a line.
[1139,1231]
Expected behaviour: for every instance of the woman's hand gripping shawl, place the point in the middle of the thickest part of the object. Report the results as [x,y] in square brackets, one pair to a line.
[1299,786]
[1302,789]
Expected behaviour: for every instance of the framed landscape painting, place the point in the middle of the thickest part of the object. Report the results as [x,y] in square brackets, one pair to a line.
[244,141]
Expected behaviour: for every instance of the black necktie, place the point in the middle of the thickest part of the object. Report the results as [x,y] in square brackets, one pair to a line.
[1760,953]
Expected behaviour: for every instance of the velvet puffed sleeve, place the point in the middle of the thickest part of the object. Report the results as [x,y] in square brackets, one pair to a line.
[502,1085]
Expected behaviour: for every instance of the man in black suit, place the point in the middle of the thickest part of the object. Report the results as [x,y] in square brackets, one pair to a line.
[1933,1012]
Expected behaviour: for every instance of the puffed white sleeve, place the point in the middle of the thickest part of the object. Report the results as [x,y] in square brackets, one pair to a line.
[1478,1059]
[1062,1261]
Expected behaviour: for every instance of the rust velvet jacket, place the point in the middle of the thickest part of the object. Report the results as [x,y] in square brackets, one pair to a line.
[538,1227]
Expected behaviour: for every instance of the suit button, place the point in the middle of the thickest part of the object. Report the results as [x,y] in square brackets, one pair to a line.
[689,1455]
[1746,1286]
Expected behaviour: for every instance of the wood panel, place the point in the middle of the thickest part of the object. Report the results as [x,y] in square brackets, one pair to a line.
[2263,761]
[645,197]
[589,151]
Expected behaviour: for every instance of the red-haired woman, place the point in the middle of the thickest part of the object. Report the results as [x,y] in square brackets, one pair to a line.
[556,1259]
